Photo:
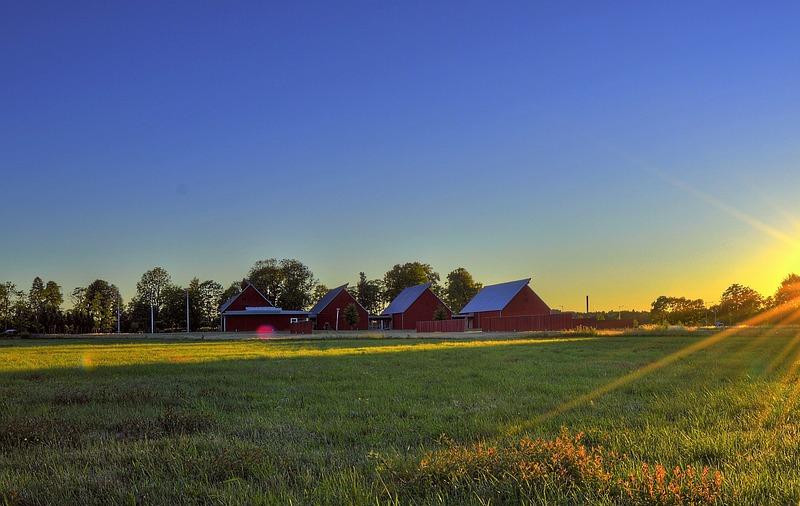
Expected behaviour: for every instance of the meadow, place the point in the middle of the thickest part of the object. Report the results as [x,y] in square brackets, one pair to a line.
[571,419]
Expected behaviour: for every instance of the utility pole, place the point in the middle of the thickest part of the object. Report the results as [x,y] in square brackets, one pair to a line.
[587,304]
[119,302]
[187,310]
[152,322]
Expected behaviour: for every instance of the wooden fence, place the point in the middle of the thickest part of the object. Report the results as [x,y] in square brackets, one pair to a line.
[306,327]
[457,325]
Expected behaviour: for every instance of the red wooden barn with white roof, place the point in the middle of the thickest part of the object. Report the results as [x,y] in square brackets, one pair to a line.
[328,313]
[514,298]
[415,303]
[250,311]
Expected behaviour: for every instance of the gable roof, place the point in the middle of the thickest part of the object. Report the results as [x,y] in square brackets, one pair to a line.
[225,305]
[326,299]
[495,297]
[405,298]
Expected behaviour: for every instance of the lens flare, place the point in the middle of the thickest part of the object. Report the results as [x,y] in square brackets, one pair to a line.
[588,398]
[265,331]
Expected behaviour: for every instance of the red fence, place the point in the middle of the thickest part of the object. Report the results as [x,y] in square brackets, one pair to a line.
[459,325]
[306,327]
[528,323]
[562,321]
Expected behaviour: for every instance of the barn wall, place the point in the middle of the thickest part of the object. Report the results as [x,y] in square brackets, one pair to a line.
[526,303]
[249,297]
[421,310]
[342,300]
[251,323]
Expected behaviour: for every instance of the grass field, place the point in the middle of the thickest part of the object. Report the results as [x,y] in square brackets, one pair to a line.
[360,421]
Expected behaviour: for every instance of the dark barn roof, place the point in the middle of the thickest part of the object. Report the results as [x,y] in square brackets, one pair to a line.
[405,298]
[495,297]
[326,299]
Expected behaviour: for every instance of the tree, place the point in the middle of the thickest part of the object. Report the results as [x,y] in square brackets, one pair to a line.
[288,284]
[738,303]
[204,303]
[788,292]
[150,287]
[52,318]
[298,285]
[678,310]
[351,315]
[267,277]
[234,288]
[440,313]
[461,288]
[9,300]
[95,307]
[369,293]
[401,276]
[152,283]
[172,315]
[319,292]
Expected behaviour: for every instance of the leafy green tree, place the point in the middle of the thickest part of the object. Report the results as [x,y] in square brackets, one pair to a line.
[440,313]
[151,284]
[461,288]
[204,303]
[51,315]
[95,307]
[351,315]
[739,303]
[10,299]
[678,310]
[788,292]
[401,276]
[298,285]
[369,293]
[36,305]
[267,277]
[150,287]
[233,289]
[319,292]
[288,284]
[172,315]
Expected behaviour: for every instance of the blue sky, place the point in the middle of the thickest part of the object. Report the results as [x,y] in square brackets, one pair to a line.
[581,143]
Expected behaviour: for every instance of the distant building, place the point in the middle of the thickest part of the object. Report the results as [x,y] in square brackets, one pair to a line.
[332,305]
[415,303]
[250,311]
[514,298]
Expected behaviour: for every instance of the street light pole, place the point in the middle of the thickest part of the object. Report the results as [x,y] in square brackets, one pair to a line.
[187,310]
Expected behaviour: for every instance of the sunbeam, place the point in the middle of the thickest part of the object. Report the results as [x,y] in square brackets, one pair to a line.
[657,365]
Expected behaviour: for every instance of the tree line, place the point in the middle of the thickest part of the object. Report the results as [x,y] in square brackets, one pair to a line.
[737,304]
[288,283]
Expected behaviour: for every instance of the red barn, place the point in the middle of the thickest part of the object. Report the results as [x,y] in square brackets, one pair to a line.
[415,303]
[331,306]
[250,311]
[514,298]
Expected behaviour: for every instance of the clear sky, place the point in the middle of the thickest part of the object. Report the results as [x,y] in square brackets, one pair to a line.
[619,149]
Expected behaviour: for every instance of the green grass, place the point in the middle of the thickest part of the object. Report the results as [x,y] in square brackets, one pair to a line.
[127,421]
